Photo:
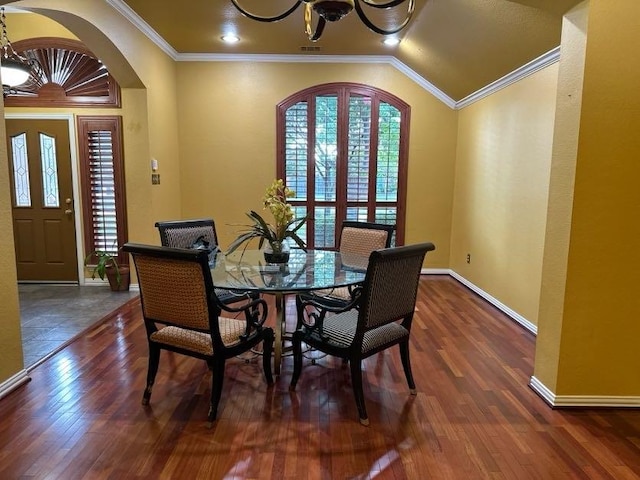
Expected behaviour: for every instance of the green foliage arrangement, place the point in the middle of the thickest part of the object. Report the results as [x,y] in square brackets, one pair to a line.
[104,261]
[285,225]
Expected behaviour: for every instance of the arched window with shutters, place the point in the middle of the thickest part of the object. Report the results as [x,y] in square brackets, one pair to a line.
[343,148]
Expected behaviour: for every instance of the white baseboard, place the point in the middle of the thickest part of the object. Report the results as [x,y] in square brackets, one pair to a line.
[583,401]
[14,382]
[496,303]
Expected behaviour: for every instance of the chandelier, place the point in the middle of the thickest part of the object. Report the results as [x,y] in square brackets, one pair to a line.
[16,69]
[332,11]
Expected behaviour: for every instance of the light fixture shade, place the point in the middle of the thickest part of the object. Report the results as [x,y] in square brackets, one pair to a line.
[333,10]
[14,73]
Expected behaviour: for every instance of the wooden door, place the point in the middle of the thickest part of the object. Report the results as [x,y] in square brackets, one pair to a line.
[42,200]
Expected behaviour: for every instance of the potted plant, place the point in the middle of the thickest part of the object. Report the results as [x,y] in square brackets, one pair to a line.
[106,265]
[285,225]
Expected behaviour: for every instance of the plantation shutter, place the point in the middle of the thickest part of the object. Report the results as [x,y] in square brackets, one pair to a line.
[104,211]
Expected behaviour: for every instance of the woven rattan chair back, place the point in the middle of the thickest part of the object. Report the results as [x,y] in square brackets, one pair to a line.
[378,317]
[182,233]
[362,238]
[173,292]
[183,314]
[391,285]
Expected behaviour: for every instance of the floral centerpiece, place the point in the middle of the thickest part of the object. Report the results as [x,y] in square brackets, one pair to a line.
[285,225]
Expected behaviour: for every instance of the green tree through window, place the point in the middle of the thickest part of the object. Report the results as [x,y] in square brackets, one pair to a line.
[343,148]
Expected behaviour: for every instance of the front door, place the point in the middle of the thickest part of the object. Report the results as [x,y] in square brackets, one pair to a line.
[42,200]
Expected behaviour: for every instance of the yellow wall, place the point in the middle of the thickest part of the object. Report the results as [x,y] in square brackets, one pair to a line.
[148,78]
[211,126]
[10,340]
[11,361]
[598,346]
[149,113]
[227,116]
[561,184]
[500,203]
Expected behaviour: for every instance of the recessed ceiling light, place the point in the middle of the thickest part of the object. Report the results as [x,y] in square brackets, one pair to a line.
[230,38]
[391,41]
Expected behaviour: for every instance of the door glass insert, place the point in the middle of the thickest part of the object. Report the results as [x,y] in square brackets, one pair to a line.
[21,170]
[50,190]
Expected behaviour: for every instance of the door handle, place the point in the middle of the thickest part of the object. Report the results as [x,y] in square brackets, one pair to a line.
[68,211]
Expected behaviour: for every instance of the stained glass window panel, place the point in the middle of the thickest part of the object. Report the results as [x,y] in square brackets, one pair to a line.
[50,190]
[21,170]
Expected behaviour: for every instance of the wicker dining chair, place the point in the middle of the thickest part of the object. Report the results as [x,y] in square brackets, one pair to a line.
[184,233]
[378,317]
[183,314]
[356,239]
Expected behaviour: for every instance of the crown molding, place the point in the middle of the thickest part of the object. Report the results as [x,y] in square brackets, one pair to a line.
[537,64]
[369,59]
[543,61]
[146,29]
[128,13]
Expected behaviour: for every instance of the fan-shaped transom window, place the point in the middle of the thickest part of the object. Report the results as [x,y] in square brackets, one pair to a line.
[71,76]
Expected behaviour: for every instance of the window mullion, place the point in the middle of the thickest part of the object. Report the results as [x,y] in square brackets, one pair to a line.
[311,169]
[373,158]
[343,156]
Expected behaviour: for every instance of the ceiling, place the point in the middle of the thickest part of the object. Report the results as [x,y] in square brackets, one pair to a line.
[458,46]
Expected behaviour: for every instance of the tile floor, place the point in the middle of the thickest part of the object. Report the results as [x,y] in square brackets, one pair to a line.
[52,315]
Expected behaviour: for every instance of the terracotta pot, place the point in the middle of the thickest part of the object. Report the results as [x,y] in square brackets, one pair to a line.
[113,279]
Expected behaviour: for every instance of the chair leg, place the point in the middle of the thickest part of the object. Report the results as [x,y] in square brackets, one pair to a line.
[406,364]
[267,351]
[217,378]
[154,361]
[358,393]
[296,340]
[299,312]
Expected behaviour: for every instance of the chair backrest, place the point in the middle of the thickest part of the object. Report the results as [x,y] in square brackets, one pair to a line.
[391,285]
[182,233]
[362,238]
[176,288]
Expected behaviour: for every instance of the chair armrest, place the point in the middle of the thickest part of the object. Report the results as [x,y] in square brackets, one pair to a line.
[326,304]
[312,311]
[255,313]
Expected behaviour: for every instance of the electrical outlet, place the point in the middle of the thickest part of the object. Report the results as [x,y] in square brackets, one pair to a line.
[155,179]
[468,258]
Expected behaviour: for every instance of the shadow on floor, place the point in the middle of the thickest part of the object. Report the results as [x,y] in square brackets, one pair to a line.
[52,315]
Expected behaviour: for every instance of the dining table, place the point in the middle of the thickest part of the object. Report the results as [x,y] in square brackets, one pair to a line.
[247,270]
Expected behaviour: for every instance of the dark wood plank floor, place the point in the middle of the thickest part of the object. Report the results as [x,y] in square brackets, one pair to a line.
[473,418]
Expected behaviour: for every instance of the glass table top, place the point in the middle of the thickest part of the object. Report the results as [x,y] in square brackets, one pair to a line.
[315,269]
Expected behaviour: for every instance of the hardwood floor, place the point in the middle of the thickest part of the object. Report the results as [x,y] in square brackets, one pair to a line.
[474,416]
